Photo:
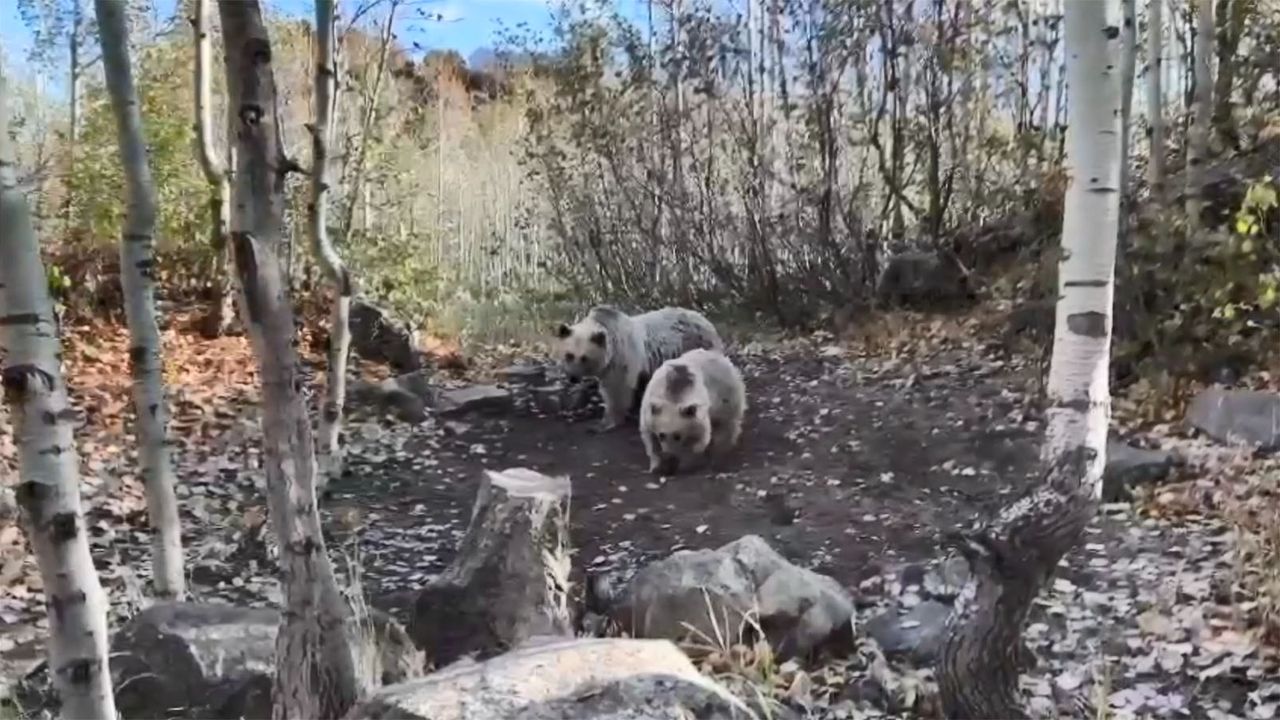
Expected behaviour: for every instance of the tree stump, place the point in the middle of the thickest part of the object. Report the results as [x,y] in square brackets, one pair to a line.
[509,581]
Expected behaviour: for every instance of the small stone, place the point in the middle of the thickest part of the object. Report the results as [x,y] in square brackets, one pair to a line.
[918,633]
[1128,466]
[484,399]
[1238,416]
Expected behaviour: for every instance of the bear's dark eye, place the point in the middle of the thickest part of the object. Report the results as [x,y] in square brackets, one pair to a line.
[676,437]
[568,356]
[662,436]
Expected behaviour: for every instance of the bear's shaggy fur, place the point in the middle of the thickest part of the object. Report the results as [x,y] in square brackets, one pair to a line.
[692,411]
[623,351]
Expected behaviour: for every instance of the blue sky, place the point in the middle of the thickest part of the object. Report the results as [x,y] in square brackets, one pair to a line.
[465,25]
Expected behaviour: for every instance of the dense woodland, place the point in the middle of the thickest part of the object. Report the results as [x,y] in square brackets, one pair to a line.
[1068,206]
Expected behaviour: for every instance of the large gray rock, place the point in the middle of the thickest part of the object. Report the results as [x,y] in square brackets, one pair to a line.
[596,679]
[218,661]
[1238,416]
[798,609]
[483,399]
[1128,466]
[379,337]
[924,278]
[918,633]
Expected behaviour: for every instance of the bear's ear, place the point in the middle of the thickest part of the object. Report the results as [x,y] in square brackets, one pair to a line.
[563,331]
[689,411]
[597,337]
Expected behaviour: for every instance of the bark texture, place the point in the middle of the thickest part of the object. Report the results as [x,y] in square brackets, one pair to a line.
[1128,65]
[1155,96]
[322,245]
[137,279]
[509,580]
[220,310]
[1015,555]
[1232,16]
[48,490]
[315,676]
[1202,114]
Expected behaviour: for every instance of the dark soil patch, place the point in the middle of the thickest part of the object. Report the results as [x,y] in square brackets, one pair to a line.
[840,471]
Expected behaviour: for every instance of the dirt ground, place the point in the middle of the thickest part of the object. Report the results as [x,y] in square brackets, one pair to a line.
[840,471]
[852,467]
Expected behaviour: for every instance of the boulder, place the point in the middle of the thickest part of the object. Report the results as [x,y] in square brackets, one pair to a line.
[1128,466]
[918,633]
[1250,417]
[483,399]
[947,578]
[509,580]
[588,679]
[378,336]
[418,383]
[1032,321]
[217,661]
[924,279]
[798,609]
[388,397]
[527,373]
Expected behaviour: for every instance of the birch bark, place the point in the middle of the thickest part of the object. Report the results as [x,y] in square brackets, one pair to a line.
[215,172]
[315,674]
[1155,96]
[322,246]
[137,279]
[48,490]
[1014,556]
[1202,116]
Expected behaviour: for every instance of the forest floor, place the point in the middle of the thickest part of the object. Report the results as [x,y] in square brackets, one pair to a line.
[852,463]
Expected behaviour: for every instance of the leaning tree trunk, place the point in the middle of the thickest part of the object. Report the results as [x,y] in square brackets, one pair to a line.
[1015,555]
[1202,111]
[219,312]
[48,490]
[1155,97]
[137,279]
[315,676]
[322,246]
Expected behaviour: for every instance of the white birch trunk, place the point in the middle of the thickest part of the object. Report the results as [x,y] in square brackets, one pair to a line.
[355,189]
[137,279]
[322,246]
[215,173]
[315,675]
[48,467]
[1155,96]
[1202,115]
[1013,557]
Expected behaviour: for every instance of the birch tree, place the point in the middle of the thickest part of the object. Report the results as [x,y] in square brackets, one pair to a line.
[48,490]
[215,173]
[1128,65]
[1155,96]
[315,675]
[137,265]
[1202,115]
[1013,557]
[322,244]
